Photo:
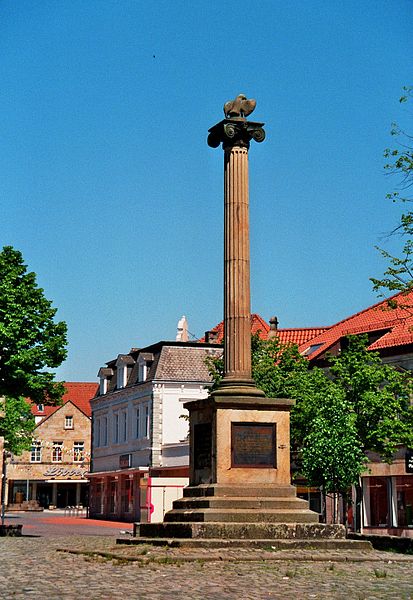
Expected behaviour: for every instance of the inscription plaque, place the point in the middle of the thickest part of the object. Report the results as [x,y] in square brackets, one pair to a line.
[203,445]
[253,445]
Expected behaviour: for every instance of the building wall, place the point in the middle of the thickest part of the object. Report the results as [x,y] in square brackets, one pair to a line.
[50,479]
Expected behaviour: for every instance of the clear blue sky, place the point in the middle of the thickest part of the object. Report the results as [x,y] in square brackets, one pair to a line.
[114,198]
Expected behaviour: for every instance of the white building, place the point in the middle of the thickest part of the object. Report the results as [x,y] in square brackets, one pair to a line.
[140,430]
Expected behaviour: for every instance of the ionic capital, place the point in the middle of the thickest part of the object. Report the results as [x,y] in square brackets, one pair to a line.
[235,132]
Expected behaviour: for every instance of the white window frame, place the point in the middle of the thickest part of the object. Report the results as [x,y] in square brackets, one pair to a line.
[124,425]
[121,376]
[145,421]
[69,422]
[137,422]
[78,451]
[36,452]
[57,450]
[96,439]
[105,431]
[115,427]
[103,386]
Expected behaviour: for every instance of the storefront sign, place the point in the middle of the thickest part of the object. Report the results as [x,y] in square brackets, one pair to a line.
[409,461]
[62,472]
[253,445]
[125,461]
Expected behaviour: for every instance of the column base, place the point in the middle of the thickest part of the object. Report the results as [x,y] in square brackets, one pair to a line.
[237,387]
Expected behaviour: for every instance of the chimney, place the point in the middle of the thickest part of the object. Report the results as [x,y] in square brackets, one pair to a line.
[273,328]
[211,337]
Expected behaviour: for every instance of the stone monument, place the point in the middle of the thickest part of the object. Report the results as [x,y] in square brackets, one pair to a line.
[240,488]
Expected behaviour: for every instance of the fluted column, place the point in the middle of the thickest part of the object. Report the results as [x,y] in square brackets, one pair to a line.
[237,345]
[235,135]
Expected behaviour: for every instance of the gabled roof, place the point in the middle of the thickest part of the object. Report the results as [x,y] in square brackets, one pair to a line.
[180,363]
[79,393]
[291,335]
[393,327]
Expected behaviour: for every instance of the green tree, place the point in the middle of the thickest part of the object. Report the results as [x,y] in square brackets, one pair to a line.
[17,425]
[398,276]
[357,405]
[332,454]
[378,396]
[31,342]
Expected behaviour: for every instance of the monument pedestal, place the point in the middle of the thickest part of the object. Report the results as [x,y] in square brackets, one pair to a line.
[240,482]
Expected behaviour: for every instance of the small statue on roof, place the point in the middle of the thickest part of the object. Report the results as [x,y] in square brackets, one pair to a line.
[240,107]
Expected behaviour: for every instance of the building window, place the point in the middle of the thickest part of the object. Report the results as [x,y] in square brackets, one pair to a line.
[36,451]
[376,502]
[68,422]
[40,407]
[57,452]
[121,376]
[145,429]
[143,370]
[403,485]
[116,428]
[97,433]
[124,426]
[104,431]
[78,451]
[103,386]
[137,422]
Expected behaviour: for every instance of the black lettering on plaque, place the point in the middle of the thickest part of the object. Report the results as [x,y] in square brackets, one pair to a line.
[253,445]
[203,445]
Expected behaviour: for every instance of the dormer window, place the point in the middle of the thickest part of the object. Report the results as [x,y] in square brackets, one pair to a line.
[105,375]
[144,364]
[40,408]
[124,365]
[103,386]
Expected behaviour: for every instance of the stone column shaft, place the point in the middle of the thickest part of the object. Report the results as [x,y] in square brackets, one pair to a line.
[235,135]
[237,338]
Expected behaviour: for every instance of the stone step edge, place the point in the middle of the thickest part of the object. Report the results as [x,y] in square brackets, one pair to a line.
[268,544]
[234,511]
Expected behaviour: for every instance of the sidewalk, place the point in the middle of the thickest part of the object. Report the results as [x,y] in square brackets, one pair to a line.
[56,523]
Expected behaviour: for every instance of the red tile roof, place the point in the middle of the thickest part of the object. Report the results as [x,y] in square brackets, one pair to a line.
[299,335]
[79,393]
[396,325]
[258,325]
[289,335]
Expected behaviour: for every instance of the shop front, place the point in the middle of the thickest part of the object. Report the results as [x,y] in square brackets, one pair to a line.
[47,487]
[388,496]
[135,494]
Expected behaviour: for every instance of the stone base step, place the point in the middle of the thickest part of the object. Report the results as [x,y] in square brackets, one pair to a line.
[247,531]
[246,515]
[248,490]
[264,544]
[240,503]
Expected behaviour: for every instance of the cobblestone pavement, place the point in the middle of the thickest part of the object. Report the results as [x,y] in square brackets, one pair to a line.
[63,567]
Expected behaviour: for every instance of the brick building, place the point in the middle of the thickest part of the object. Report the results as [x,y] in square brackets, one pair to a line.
[53,473]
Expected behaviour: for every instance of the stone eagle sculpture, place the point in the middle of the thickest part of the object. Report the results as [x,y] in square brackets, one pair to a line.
[240,107]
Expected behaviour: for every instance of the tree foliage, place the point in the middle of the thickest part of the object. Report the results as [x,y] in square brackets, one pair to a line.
[357,405]
[31,342]
[378,395]
[17,425]
[332,453]
[398,276]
